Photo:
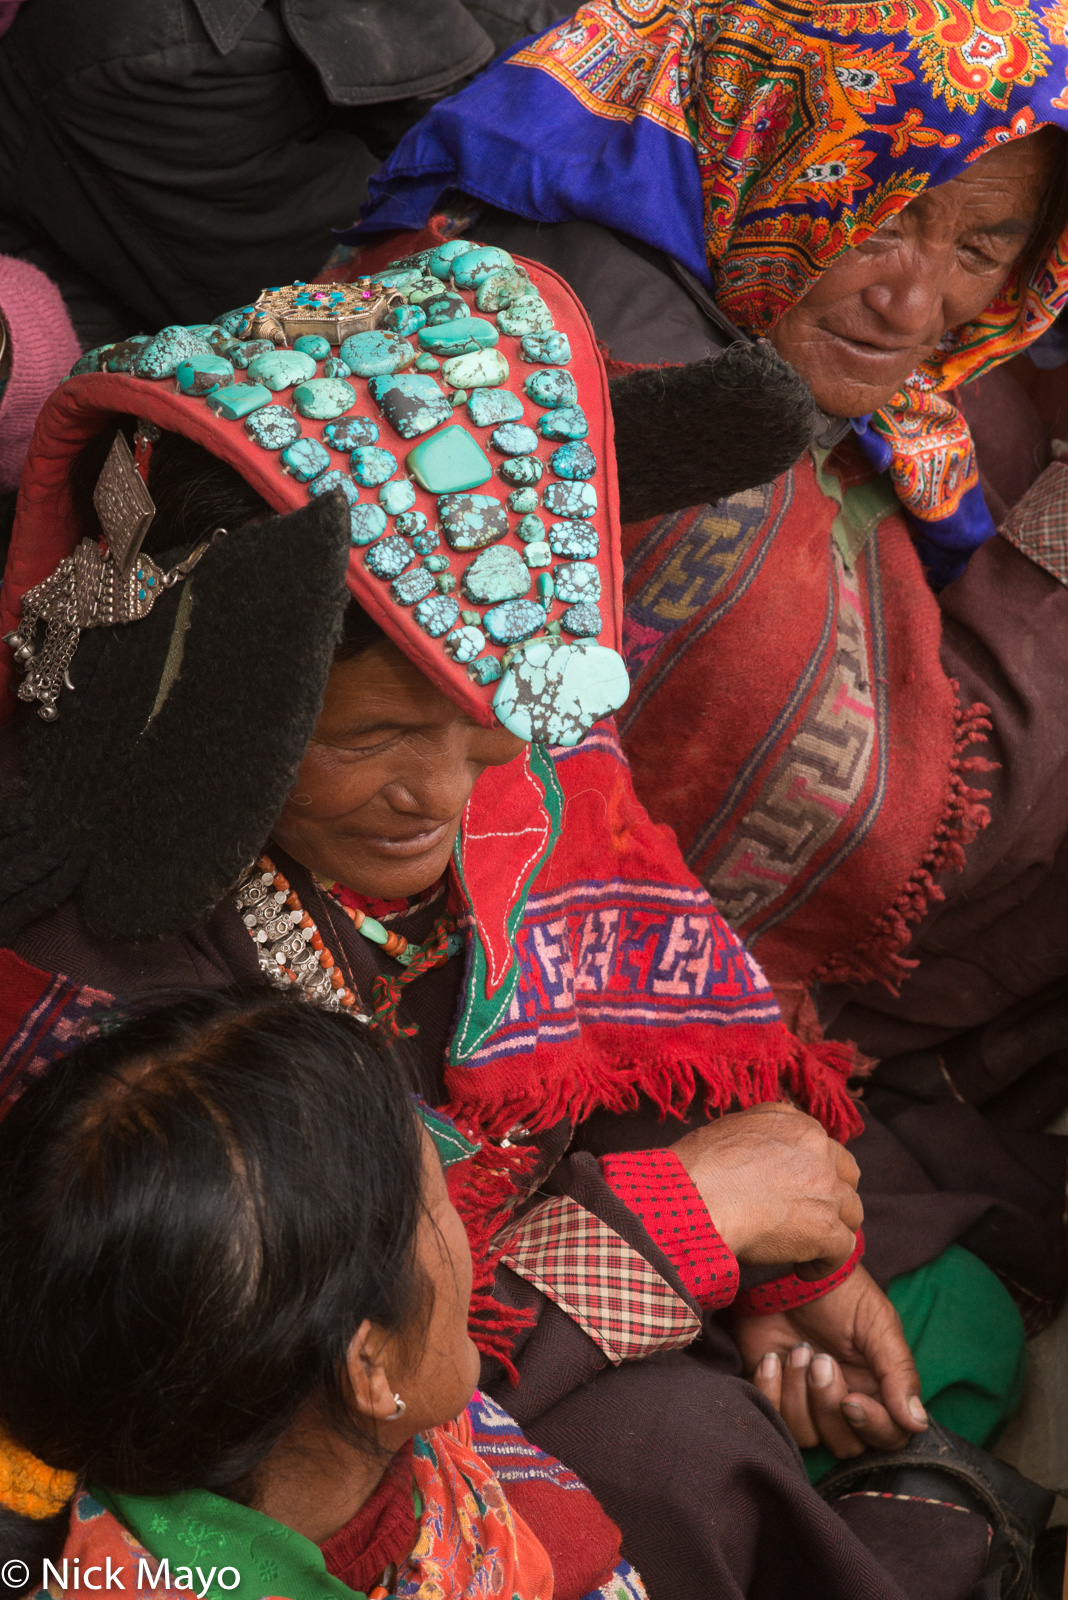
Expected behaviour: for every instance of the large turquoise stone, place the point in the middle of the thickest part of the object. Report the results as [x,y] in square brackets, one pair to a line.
[521,470]
[327,482]
[461,337]
[465,643]
[501,288]
[412,404]
[584,620]
[469,270]
[389,557]
[573,461]
[201,375]
[93,360]
[304,460]
[426,289]
[413,587]
[314,345]
[568,422]
[577,581]
[368,523]
[406,320]
[440,263]
[552,348]
[579,540]
[515,620]
[443,307]
[275,427]
[236,400]
[166,350]
[351,433]
[396,497]
[324,398]
[486,407]
[376,353]
[449,460]
[551,388]
[472,521]
[553,691]
[250,349]
[372,466]
[438,614]
[528,314]
[412,522]
[398,277]
[121,356]
[499,573]
[571,499]
[523,501]
[514,439]
[482,371]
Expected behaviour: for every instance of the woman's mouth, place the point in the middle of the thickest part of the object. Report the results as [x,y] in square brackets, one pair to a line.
[402,846]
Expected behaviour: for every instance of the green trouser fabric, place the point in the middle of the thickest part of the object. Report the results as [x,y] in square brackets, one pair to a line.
[967,1339]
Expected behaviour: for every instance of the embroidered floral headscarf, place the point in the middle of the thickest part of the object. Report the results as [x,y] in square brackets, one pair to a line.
[756,142]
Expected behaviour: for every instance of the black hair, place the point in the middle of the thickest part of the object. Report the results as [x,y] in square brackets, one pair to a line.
[198,1208]
[1052,218]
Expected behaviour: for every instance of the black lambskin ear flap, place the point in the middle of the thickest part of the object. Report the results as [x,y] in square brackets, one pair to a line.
[172,757]
[690,436]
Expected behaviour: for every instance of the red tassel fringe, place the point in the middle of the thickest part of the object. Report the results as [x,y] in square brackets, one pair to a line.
[879,958]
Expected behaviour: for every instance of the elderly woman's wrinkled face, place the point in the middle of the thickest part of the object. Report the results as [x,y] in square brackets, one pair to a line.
[883,306]
[385,779]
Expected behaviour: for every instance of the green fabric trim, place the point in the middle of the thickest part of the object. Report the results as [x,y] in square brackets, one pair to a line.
[861,508]
[480,1016]
[451,1145]
[197,1529]
[968,1341]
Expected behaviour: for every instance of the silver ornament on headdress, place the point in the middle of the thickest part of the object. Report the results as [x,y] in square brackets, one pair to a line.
[335,311]
[102,584]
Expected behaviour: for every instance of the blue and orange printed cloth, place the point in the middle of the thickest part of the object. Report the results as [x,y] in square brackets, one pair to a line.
[755,141]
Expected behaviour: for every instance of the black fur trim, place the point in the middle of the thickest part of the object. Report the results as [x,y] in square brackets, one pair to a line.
[148,821]
[688,436]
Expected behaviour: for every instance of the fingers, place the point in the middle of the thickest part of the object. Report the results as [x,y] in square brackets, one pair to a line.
[768,1378]
[872,1423]
[847,1167]
[885,1349]
[794,1406]
[827,1389]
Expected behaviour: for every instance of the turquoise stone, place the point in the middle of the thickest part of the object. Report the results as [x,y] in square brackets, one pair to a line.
[538,554]
[426,289]
[487,669]
[368,523]
[529,314]
[522,470]
[376,353]
[201,375]
[440,263]
[499,573]
[486,407]
[389,557]
[411,522]
[166,350]
[460,337]
[446,582]
[472,521]
[546,589]
[412,404]
[573,461]
[304,460]
[578,540]
[571,499]
[204,330]
[351,433]
[578,581]
[523,501]
[459,397]
[552,348]
[396,497]
[275,427]
[515,620]
[584,620]
[438,614]
[482,371]
[514,439]
[568,422]
[372,466]
[554,691]
[472,618]
[426,541]
[449,460]
[324,398]
[501,288]
[92,361]
[233,321]
[469,270]
[334,367]
[236,400]
[425,363]
[531,529]
[314,345]
[436,563]
[406,320]
[551,389]
[121,357]
[443,307]
[327,482]
[398,277]
[413,587]
[250,349]
[464,644]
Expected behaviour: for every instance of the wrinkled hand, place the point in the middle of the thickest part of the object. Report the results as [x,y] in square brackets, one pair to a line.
[776,1186]
[838,1370]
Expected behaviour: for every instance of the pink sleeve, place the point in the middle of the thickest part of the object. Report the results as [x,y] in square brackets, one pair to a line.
[44,347]
[656,1187]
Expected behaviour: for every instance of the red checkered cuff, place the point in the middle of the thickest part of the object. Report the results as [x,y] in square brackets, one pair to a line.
[655,1185]
[790,1291]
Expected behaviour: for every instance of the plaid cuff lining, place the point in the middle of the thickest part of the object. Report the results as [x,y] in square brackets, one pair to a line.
[790,1291]
[655,1185]
[1038,524]
[600,1281]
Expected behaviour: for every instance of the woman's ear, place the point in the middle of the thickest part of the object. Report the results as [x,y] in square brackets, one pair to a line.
[372,1392]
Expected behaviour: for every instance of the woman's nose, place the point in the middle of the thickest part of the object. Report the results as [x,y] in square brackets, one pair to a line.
[908,297]
[438,782]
